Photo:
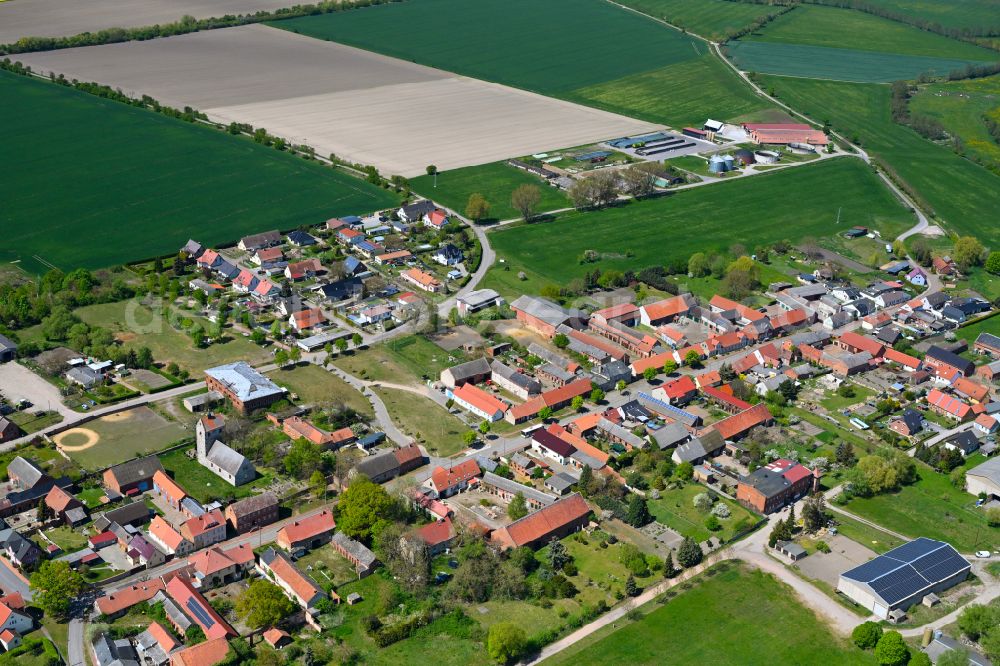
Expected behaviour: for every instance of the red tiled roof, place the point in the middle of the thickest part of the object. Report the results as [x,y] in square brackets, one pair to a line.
[536,526]
[436,533]
[446,478]
[183,592]
[307,528]
[528,408]
[14,600]
[619,311]
[657,361]
[479,399]
[408,454]
[949,404]
[668,307]
[165,533]
[710,378]
[269,253]
[903,359]
[208,653]
[128,597]
[986,420]
[203,523]
[104,537]
[300,268]
[209,561]
[59,500]
[789,319]
[168,486]
[300,585]
[724,303]
[680,387]
[308,318]
[862,343]
[723,396]
[213,421]
[438,217]
[274,635]
[426,280]
[162,636]
[971,389]
[241,554]
[738,424]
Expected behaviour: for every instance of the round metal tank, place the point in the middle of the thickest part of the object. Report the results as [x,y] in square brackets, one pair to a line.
[766,156]
[744,156]
[717,164]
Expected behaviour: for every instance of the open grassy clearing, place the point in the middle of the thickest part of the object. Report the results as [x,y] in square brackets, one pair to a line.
[136,325]
[120,437]
[962,194]
[866,535]
[411,359]
[676,510]
[314,386]
[494,181]
[425,420]
[931,507]
[849,29]
[182,180]
[761,614]
[202,484]
[586,51]
[713,19]
[836,64]
[961,106]
[789,204]
[712,90]
[973,14]
[971,332]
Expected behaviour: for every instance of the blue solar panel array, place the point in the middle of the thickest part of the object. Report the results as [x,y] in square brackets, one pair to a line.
[200,613]
[908,569]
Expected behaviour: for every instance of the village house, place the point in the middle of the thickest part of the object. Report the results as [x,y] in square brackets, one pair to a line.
[214,566]
[204,530]
[167,539]
[307,533]
[473,399]
[949,406]
[559,519]
[257,241]
[475,371]
[134,476]
[297,586]
[244,386]
[771,487]
[117,603]
[436,537]
[544,316]
[254,512]
[445,482]
[514,381]
[422,280]
[218,457]
[941,360]
[388,465]
[183,592]
[304,320]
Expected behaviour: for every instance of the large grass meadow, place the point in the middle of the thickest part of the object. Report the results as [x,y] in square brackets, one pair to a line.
[495,181]
[790,204]
[963,107]
[764,625]
[588,51]
[974,14]
[712,19]
[93,182]
[963,194]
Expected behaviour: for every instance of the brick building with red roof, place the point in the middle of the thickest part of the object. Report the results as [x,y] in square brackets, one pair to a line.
[537,529]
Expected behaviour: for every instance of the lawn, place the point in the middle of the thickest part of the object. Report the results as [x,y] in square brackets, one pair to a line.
[91,167]
[849,29]
[712,19]
[763,624]
[120,437]
[44,456]
[835,402]
[30,422]
[962,107]
[135,325]
[494,181]
[970,333]
[66,538]
[964,195]
[866,535]
[789,204]
[327,567]
[931,507]
[425,421]
[836,64]
[676,510]
[202,484]
[314,386]
[407,360]
[582,50]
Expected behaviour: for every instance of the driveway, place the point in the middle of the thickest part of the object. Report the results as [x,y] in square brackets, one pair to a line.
[844,554]
[18,382]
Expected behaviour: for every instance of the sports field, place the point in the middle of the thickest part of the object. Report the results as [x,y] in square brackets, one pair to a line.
[98,183]
[494,181]
[712,19]
[974,14]
[850,29]
[962,107]
[765,624]
[116,438]
[789,204]
[562,48]
[963,194]
[836,64]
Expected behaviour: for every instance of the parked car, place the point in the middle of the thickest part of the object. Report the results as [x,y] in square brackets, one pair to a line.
[984,554]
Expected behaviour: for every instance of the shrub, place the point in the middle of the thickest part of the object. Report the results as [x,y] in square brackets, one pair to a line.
[866,635]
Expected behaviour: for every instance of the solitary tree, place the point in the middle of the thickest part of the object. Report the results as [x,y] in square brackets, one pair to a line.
[576,403]
[525,200]
[55,585]
[689,554]
[669,568]
[866,635]
[356,339]
[517,507]
[631,589]
[431,169]
[263,604]
[485,427]
[637,513]
[891,650]
[506,642]
[649,374]
[341,345]
[478,207]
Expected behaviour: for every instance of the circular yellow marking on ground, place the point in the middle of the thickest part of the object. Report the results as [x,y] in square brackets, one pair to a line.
[118,416]
[91,439]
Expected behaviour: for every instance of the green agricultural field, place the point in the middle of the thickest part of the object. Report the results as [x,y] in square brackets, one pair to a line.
[964,195]
[135,325]
[787,204]
[934,508]
[314,385]
[973,14]
[588,51]
[835,64]
[711,90]
[848,29]
[963,108]
[494,181]
[712,19]
[761,617]
[99,183]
